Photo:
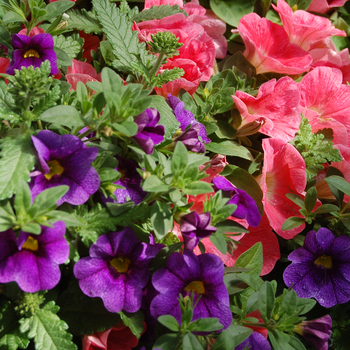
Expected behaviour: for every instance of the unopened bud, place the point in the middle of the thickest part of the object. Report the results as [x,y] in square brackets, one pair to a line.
[146,174]
[251,128]
[218,163]
[106,130]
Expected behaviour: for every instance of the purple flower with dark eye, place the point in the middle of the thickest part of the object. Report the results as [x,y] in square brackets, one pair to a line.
[195,226]
[32,260]
[321,268]
[65,160]
[116,270]
[255,341]
[246,206]
[188,273]
[148,132]
[33,51]
[316,332]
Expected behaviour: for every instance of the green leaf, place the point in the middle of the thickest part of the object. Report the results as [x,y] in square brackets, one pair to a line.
[304,305]
[199,187]
[48,331]
[301,4]
[68,44]
[210,324]
[23,198]
[17,160]
[266,301]
[169,322]
[157,12]
[83,20]
[295,198]
[179,159]
[128,128]
[168,342]
[5,37]
[326,208]
[219,241]
[310,199]
[289,303]
[62,57]
[32,227]
[133,321]
[231,11]
[190,342]
[55,9]
[252,259]
[12,17]
[292,222]
[339,182]
[69,219]
[229,148]
[154,184]
[230,226]
[63,115]
[161,219]
[233,283]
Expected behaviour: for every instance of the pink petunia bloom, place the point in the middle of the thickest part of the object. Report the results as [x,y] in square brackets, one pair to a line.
[277,104]
[304,28]
[34,31]
[91,42]
[283,172]
[4,64]
[325,102]
[81,71]
[323,6]
[268,49]
[150,3]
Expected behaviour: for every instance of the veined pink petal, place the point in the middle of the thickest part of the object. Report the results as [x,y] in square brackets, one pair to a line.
[323,6]
[304,28]
[268,48]
[82,68]
[150,3]
[276,102]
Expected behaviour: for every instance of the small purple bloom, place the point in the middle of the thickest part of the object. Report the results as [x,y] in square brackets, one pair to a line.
[33,51]
[116,270]
[246,206]
[148,132]
[316,332]
[190,139]
[188,273]
[255,341]
[321,268]
[195,226]
[32,260]
[65,160]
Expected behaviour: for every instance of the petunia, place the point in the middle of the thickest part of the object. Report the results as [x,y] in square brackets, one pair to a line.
[324,6]
[268,49]
[255,341]
[81,71]
[32,51]
[277,103]
[188,273]
[91,42]
[149,132]
[321,268]
[116,270]
[32,260]
[65,160]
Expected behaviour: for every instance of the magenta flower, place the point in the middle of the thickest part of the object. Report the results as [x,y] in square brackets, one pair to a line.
[190,138]
[116,270]
[32,260]
[195,226]
[32,51]
[148,132]
[256,341]
[65,160]
[320,269]
[188,273]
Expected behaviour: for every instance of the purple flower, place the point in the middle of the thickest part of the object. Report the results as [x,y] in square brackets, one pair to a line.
[33,51]
[116,270]
[188,273]
[32,260]
[246,206]
[316,332]
[195,226]
[255,341]
[65,160]
[148,132]
[321,268]
[190,139]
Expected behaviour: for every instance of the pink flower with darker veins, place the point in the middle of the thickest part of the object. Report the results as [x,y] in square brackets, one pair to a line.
[323,6]
[81,71]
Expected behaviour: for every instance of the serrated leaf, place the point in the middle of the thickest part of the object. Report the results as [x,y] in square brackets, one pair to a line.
[83,20]
[17,160]
[67,44]
[158,12]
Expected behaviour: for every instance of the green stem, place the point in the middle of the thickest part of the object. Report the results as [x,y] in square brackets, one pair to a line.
[157,64]
[345,207]
[40,125]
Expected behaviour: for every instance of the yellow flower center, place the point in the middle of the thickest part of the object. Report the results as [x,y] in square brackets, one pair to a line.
[31,53]
[324,260]
[55,169]
[31,244]
[195,287]
[121,264]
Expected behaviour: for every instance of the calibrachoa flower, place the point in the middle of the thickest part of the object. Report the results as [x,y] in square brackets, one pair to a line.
[188,273]
[81,71]
[65,160]
[32,260]
[116,270]
[190,138]
[316,332]
[195,226]
[148,132]
[33,51]
[255,341]
[320,269]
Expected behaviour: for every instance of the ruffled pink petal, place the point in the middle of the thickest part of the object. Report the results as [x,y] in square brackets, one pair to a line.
[150,3]
[323,6]
[82,68]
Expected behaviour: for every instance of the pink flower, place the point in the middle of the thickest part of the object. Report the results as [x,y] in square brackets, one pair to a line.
[34,31]
[268,48]
[304,28]
[277,104]
[81,71]
[323,6]
[283,172]
[91,42]
[325,101]
[4,64]
[150,3]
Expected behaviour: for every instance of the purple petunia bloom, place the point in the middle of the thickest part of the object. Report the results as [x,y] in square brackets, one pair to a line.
[188,273]
[32,260]
[190,139]
[116,270]
[148,132]
[321,268]
[255,341]
[33,51]
[65,160]
[316,332]
[246,206]
[195,226]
